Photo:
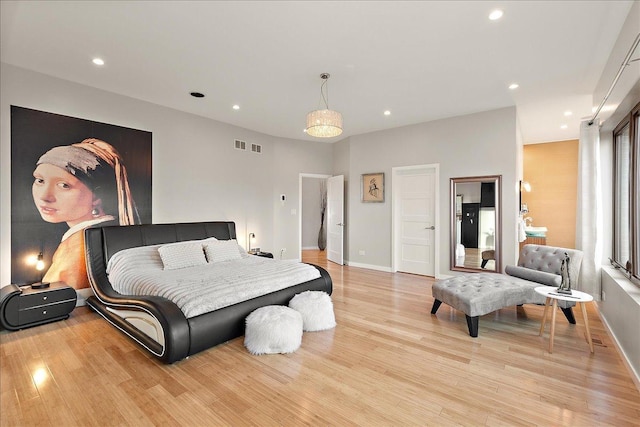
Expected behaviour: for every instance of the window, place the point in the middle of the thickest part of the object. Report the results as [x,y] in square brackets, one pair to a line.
[626,203]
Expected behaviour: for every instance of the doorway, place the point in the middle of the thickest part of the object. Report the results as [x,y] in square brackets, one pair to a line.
[309,208]
[415,234]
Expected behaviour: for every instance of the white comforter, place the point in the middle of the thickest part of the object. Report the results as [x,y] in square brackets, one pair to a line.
[204,288]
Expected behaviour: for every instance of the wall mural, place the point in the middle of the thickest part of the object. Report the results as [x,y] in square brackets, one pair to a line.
[68,174]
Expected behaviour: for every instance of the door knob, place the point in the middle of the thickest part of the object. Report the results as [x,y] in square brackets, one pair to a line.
[433,227]
[340,224]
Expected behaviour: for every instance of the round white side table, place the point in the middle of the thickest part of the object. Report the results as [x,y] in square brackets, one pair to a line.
[552,298]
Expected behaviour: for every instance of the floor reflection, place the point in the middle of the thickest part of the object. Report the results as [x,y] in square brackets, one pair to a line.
[473,259]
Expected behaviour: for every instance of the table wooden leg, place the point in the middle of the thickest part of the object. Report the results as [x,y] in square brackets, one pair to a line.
[544,315]
[586,325]
[554,308]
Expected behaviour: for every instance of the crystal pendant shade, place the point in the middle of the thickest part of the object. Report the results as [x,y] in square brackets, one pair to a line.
[324,123]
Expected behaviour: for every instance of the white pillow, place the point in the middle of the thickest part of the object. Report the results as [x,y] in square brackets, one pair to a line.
[136,258]
[222,250]
[182,255]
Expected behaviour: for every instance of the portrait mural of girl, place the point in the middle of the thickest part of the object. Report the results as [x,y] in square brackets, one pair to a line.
[81,184]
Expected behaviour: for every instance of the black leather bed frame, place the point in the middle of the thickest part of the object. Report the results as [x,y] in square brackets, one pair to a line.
[177,337]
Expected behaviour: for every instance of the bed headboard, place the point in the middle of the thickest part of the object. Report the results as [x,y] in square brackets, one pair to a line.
[111,239]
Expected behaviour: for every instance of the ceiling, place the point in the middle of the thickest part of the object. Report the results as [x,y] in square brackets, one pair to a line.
[422,61]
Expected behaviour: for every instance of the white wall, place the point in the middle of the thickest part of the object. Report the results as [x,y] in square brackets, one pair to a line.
[472,145]
[197,174]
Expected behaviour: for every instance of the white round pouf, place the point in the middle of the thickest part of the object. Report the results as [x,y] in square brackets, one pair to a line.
[273,329]
[316,309]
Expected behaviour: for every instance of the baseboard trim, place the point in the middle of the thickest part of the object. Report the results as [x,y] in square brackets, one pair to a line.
[625,359]
[620,292]
[369,266]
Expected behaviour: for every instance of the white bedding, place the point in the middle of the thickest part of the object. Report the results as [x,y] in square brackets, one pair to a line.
[203,288]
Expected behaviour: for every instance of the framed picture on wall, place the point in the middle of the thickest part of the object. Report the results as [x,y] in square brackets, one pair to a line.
[372,187]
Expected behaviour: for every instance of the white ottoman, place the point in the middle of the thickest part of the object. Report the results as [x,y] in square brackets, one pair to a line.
[273,329]
[316,309]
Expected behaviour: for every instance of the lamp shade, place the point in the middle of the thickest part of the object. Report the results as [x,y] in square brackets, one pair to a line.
[324,123]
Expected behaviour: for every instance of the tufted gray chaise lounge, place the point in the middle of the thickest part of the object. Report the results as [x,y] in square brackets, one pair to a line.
[477,294]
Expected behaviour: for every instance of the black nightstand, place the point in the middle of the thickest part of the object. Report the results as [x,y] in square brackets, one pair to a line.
[262,254]
[23,307]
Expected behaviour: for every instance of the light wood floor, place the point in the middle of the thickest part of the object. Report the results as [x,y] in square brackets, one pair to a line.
[388,362]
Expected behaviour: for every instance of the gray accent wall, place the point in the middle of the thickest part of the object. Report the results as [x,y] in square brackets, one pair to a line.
[476,144]
[293,157]
[198,175]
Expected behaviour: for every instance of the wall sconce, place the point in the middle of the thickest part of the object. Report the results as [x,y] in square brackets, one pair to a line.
[251,239]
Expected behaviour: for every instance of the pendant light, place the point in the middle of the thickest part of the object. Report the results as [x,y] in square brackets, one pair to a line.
[324,123]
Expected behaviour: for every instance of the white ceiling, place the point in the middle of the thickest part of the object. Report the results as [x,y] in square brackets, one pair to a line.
[420,60]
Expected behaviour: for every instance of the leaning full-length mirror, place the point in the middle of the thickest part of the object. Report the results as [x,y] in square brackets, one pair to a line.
[475,223]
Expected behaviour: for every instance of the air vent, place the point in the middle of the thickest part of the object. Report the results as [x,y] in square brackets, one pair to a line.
[256,148]
[240,145]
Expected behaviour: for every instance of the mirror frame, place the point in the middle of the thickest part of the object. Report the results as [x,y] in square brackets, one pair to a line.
[497,179]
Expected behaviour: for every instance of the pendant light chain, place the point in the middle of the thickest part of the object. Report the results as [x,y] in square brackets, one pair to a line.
[322,93]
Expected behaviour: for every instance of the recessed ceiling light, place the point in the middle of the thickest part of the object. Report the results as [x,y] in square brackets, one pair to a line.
[98,61]
[387,113]
[568,113]
[563,126]
[513,86]
[495,15]
[236,107]
[197,94]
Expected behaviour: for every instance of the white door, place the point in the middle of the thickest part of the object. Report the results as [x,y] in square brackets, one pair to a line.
[335,219]
[415,227]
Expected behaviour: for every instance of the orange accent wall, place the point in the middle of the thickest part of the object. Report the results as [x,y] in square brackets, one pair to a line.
[552,171]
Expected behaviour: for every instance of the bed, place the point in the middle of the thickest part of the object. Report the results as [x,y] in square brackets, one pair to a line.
[155,321]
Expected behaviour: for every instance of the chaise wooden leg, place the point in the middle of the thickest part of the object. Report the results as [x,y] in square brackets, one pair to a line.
[544,315]
[436,306]
[472,323]
[554,308]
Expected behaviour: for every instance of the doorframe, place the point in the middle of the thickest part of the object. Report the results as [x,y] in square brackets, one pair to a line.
[300,177]
[395,201]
